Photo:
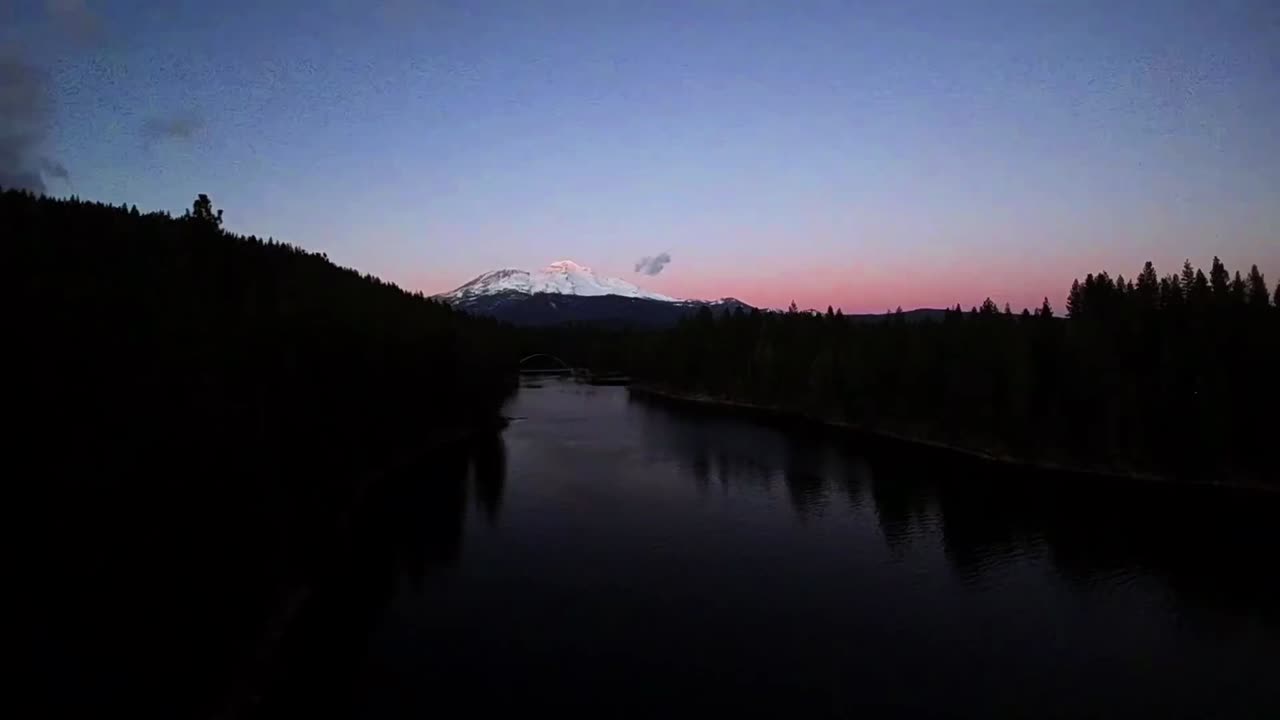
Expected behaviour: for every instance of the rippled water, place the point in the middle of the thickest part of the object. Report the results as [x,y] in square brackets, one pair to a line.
[608,556]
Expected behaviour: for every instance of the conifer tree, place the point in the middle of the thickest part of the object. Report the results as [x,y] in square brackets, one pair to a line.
[1257,288]
[1219,281]
[1147,288]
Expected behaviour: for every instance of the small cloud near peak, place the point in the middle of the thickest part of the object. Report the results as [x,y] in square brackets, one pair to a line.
[652,265]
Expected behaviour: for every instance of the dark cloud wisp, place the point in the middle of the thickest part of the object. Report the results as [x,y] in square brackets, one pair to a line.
[24,125]
[175,127]
[53,168]
[74,18]
[653,265]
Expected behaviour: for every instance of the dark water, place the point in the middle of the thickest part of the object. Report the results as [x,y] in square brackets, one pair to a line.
[609,557]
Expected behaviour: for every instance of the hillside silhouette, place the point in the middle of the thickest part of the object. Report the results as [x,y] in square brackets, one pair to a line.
[200,414]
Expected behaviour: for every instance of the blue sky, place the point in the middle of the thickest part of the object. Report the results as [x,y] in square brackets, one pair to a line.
[859,154]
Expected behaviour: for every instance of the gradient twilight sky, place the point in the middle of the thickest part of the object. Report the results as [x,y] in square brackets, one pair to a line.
[861,154]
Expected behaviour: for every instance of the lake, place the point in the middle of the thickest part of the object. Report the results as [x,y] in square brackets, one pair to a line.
[608,556]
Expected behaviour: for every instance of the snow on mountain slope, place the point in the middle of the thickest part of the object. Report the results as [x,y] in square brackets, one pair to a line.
[562,278]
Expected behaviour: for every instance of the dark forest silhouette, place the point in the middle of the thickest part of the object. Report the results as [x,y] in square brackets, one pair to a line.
[201,413]
[1173,375]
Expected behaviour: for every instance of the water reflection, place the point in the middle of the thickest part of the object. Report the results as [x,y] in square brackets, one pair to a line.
[489,476]
[1202,544]
[652,562]
[804,472]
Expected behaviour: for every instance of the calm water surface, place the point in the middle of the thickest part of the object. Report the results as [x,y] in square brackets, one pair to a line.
[608,556]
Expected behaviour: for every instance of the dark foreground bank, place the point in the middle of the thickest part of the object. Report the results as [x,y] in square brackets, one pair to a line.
[196,417]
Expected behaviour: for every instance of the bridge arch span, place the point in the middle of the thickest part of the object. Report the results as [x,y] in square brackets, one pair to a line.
[563,364]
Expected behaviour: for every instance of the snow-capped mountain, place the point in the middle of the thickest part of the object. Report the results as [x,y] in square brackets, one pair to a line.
[564,277]
[565,291]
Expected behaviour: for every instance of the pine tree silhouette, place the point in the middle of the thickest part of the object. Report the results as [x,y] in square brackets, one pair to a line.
[1237,292]
[1075,302]
[1188,279]
[1257,292]
[1219,281]
[1148,287]
[202,212]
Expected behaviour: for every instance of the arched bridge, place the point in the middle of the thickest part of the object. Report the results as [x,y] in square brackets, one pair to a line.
[564,369]
[579,374]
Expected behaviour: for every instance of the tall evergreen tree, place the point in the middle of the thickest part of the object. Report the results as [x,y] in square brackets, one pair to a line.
[1075,302]
[1188,278]
[202,211]
[1171,295]
[1237,292]
[1148,287]
[1201,293]
[1219,281]
[1257,288]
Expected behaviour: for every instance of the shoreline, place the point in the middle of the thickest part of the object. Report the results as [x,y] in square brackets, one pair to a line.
[795,419]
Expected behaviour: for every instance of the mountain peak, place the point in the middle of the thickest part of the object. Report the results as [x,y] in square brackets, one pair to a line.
[567,265]
[563,277]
